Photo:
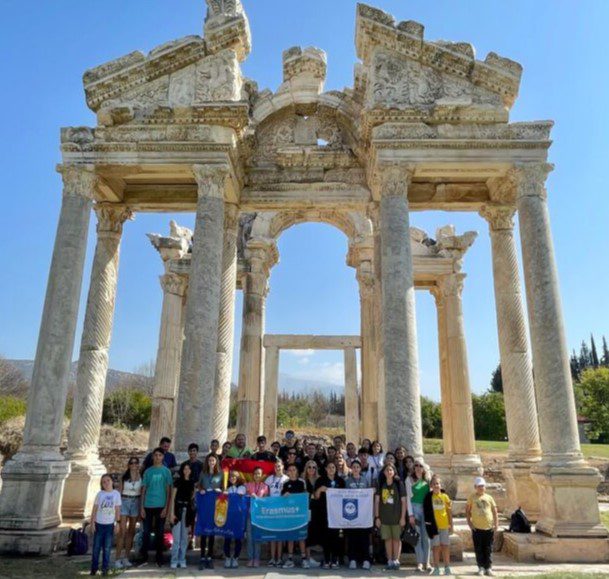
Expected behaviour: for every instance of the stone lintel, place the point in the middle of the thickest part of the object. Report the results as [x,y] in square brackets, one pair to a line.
[304,342]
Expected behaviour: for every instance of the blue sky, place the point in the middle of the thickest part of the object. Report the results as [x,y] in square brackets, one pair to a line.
[46,47]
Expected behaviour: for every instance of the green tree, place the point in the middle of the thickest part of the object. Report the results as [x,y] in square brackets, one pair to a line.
[593,401]
[489,416]
[593,352]
[605,358]
[575,368]
[127,407]
[431,413]
[497,380]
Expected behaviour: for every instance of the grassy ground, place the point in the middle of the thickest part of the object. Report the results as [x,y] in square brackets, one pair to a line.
[61,567]
[605,518]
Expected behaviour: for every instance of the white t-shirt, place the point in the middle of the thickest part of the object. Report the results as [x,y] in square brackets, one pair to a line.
[106,507]
[275,484]
[132,488]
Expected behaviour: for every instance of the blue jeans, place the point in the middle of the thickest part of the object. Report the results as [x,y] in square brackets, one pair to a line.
[102,541]
[180,541]
[422,549]
[253,548]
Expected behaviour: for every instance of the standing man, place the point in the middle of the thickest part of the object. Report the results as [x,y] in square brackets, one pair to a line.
[193,461]
[482,518]
[239,448]
[290,442]
[262,453]
[169,459]
[156,495]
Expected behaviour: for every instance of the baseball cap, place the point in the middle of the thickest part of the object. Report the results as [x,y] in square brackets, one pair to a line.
[479,482]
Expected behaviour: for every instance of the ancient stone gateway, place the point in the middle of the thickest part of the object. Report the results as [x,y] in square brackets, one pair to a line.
[425,126]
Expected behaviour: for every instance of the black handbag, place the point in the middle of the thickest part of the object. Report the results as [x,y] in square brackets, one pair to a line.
[410,535]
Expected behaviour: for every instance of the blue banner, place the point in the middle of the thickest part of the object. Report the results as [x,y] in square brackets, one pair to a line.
[221,515]
[280,518]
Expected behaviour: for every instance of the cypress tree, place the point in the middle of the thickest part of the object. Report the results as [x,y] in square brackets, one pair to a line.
[497,380]
[575,370]
[605,358]
[593,353]
[584,357]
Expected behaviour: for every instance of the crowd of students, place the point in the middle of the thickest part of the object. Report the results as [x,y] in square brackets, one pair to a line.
[407,495]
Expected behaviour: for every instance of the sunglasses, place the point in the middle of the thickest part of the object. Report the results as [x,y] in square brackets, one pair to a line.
[418,466]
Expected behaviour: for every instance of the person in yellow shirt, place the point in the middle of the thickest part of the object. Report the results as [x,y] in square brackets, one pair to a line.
[437,508]
[482,518]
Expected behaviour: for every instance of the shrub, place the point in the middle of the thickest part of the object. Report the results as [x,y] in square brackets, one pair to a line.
[431,413]
[127,407]
[11,407]
[593,402]
[489,416]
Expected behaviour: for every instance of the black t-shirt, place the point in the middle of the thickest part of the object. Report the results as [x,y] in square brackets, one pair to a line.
[294,487]
[266,456]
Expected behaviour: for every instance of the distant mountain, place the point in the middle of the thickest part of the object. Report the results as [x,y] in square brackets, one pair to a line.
[294,385]
[113,379]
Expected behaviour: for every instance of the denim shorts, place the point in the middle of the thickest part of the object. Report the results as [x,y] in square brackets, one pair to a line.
[130,506]
[442,538]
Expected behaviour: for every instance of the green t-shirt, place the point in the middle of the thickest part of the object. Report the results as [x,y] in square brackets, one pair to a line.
[235,452]
[156,480]
[419,491]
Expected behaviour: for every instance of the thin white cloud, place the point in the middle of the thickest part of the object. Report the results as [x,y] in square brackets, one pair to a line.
[333,373]
[300,353]
[303,361]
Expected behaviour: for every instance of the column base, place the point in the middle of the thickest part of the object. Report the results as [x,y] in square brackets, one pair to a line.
[464,468]
[32,491]
[522,490]
[534,548]
[81,488]
[34,543]
[568,501]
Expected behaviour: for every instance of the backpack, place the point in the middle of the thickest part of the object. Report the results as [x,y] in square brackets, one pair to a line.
[78,543]
[519,522]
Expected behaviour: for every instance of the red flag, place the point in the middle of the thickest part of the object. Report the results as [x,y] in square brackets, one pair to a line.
[245,467]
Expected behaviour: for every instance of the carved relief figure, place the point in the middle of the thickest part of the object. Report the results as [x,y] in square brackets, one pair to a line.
[218,78]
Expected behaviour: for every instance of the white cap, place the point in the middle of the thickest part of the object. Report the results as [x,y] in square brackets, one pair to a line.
[479,482]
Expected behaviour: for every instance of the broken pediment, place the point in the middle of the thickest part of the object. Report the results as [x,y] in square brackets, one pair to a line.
[402,70]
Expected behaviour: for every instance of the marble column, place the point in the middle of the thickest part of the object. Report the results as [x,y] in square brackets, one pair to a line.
[352,424]
[568,501]
[199,356]
[361,256]
[33,480]
[464,462]
[260,255]
[168,358]
[226,329]
[403,398]
[83,437]
[271,385]
[516,365]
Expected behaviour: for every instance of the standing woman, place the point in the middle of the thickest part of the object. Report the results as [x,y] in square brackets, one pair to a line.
[275,483]
[358,540]
[210,481]
[390,515]
[400,463]
[235,486]
[256,489]
[330,538]
[376,459]
[183,515]
[311,474]
[131,491]
[417,488]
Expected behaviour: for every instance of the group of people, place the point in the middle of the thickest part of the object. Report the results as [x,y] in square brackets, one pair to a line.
[406,497]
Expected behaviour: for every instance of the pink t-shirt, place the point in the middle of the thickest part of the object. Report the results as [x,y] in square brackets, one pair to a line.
[255,489]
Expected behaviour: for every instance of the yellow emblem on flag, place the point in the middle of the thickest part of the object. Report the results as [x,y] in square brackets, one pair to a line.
[221,511]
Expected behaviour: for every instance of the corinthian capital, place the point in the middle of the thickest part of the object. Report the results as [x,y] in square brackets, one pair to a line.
[78,181]
[450,285]
[530,179]
[393,179]
[211,179]
[172,283]
[111,216]
[499,217]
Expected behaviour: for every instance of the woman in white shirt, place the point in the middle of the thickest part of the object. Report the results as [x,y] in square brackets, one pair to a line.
[130,490]
[275,483]
[376,460]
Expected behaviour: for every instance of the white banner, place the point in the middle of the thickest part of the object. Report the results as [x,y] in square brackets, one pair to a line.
[350,508]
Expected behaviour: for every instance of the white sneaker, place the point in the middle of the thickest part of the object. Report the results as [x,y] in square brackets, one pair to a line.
[480,572]
[173,566]
[289,564]
[420,568]
[305,564]
[366,566]
[271,563]
[489,573]
[352,565]
[182,565]
[118,564]
[126,563]
[313,564]
[234,563]
[335,566]
[227,563]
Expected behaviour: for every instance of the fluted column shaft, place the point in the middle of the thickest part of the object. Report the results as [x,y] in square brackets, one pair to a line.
[271,385]
[33,479]
[226,329]
[168,358]
[352,424]
[83,436]
[402,402]
[199,357]
[568,501]
[260,256]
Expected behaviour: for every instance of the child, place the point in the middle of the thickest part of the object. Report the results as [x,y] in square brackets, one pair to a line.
[184,515]
[275,483]
[106,512]
[294,486]
[257,489]
[481,513]
[437,507]
[235,486]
